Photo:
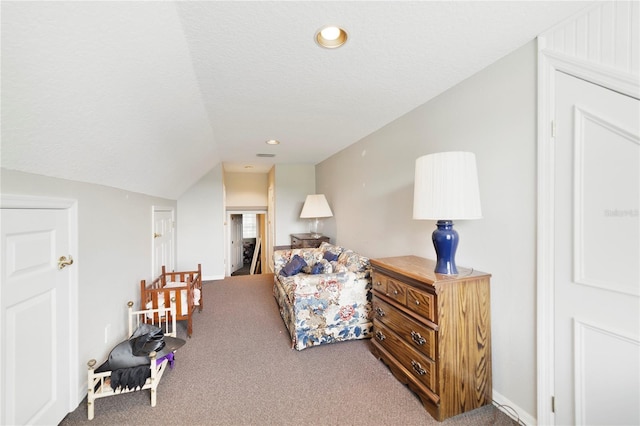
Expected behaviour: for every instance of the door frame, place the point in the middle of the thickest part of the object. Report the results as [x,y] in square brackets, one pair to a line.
[227,233]
[155,209]
[10,201]
[549,63]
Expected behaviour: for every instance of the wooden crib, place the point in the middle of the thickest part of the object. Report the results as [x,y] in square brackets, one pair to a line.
[99,384]
[185,286]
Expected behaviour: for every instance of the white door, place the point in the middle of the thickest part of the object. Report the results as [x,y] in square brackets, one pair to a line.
[163,241]
[597,255]
[35,347]
[237,260]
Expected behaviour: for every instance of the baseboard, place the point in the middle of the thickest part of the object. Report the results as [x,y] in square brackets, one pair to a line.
[513,411]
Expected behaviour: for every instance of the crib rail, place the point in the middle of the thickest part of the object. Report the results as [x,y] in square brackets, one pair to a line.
[162,317]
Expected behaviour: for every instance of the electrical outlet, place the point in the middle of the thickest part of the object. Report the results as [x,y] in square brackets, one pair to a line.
[107,331]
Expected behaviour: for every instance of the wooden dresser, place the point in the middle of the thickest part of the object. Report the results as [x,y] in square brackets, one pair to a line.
[306,241]
[434,332]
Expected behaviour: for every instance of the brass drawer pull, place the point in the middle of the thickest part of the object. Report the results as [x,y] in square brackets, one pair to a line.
[417,338]
[380,336]
[417,302]
[378,283]
[418,368]
[395,292]
[380,311]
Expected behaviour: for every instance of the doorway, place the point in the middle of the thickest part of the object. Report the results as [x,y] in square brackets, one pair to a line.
[246,242]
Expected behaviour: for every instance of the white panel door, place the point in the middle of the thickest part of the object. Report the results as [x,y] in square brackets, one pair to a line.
[597,255]
[35,345]
[163,241]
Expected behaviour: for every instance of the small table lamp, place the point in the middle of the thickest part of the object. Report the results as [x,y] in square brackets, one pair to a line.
[446,189]
[316,207]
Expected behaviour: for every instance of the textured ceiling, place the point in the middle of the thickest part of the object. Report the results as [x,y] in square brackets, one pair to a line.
[149,96]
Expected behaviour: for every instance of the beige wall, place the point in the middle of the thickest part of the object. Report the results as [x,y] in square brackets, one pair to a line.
[114,254]
[369,186]
[246,190]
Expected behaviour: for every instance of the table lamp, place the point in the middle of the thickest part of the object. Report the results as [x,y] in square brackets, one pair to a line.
[315,208]
[446,189]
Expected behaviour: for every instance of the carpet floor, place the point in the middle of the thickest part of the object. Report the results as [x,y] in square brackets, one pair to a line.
[238,368]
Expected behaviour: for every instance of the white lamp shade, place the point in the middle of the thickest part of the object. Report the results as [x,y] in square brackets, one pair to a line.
[316,206]
[446,187]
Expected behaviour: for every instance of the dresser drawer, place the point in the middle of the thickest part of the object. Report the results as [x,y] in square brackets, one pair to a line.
[379,282]
[397,291]
[422,368]
[422,303]
[394,289]
[420,336]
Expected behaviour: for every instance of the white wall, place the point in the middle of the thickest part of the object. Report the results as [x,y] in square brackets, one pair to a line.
[201,226]
[114,253]
[293,182]
[369,186]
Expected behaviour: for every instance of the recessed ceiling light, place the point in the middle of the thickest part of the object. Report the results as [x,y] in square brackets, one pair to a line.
[273,142]
[331,37]
[248,167]
[265,155]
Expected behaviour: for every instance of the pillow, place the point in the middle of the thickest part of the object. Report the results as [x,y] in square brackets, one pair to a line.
[330,256]
[318,268]
[352,261]
[327,266]
[328,247]
[294,266]
[338,267]
[309,255]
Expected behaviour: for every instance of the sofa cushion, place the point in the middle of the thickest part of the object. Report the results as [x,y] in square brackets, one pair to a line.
[318,268]
[353,261]
[329,256]
[293,267]
[331,248]
[309,255]
[338,267]
[314,269]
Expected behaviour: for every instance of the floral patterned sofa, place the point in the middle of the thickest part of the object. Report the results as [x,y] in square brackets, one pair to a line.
[324,294]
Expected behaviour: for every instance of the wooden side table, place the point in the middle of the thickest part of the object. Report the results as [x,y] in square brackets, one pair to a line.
[306,241]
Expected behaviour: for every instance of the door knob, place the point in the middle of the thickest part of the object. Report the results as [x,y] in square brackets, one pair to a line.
[64,262]
[156,235]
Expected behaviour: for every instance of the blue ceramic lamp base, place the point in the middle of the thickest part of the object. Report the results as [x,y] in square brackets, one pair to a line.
[445,241]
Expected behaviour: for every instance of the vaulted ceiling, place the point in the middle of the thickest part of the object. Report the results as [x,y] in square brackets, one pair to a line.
[148,96]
